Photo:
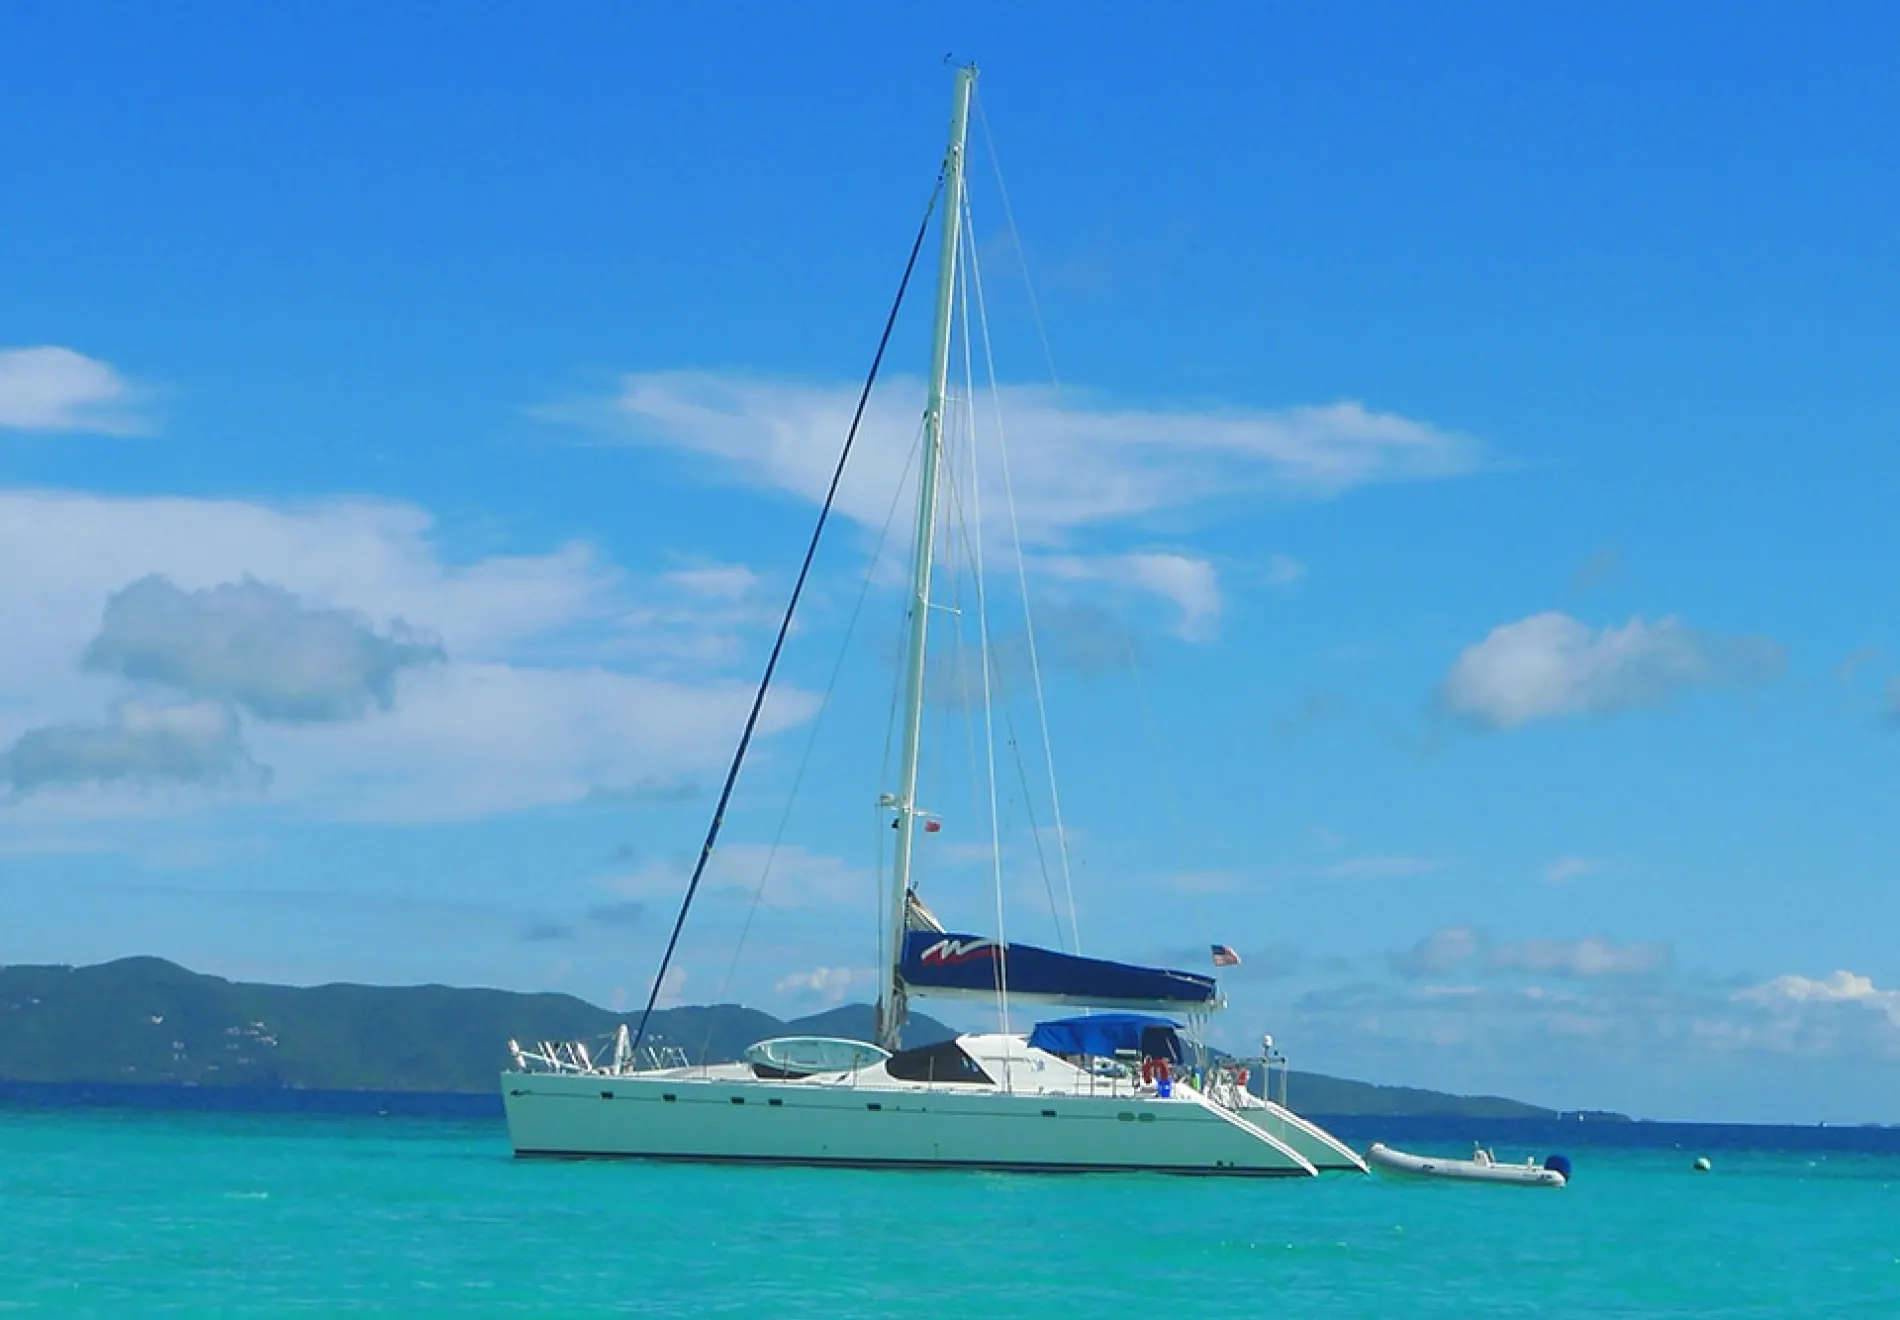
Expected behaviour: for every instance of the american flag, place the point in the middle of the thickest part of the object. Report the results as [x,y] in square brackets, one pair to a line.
[1224,956]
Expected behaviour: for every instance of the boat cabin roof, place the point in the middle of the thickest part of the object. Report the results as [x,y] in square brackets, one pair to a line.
[1103,1035]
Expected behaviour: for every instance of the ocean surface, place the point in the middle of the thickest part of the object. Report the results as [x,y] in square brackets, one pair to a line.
[112,1203]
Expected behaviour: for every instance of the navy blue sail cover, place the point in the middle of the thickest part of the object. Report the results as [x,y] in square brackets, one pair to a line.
[936,962]
[1104,1034]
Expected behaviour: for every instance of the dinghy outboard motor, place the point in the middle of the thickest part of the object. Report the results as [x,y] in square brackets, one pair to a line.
[1559,1164]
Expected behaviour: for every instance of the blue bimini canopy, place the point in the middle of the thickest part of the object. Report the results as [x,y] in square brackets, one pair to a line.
[942,963]
[1101,1036]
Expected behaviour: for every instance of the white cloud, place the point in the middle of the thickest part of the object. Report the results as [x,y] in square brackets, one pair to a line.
[1565,869]
[1186,581]
[1073,462]
[140,743]
[1675,1046]
[1550,665]
[470,739]
[1584,959]
[1594,956]
[55,389]
[558,683]
[1840,988]
[1438,953]
[1077,468]
[792,876]
[827,985]
[1284,570]
[255,645]
[1678,1053]
[719,581]
[1206,882]
[62,555]
[1378,868]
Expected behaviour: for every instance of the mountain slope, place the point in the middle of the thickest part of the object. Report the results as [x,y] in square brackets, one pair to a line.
[148,1020]
[145,1020]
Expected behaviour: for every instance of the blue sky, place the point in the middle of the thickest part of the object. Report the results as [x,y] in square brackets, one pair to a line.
[1477,422]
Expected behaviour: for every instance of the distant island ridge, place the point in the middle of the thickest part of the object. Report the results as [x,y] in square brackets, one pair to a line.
[147,1022]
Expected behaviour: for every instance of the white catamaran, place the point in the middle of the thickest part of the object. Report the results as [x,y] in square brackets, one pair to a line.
[1114,1090]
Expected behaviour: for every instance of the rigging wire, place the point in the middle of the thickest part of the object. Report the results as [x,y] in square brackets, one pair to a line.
[1121,619]
[1014,743]
[886,956]
[958,522]
[1067,941]
[785,624]
[1022,582]
[983,636]
[1016,239]
[811,740]
[1013,739]
[956,537]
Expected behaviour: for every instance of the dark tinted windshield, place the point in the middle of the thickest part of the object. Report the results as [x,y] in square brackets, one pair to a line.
[943,1062]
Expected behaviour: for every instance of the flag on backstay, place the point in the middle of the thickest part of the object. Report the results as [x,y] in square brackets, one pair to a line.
[1224,956]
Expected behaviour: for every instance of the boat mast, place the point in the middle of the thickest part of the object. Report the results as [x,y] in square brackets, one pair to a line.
[892,1010]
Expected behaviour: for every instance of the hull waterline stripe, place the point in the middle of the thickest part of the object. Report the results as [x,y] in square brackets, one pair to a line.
[1003,1166]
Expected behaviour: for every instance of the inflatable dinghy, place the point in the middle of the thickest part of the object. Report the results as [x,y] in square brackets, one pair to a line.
[1481,1167]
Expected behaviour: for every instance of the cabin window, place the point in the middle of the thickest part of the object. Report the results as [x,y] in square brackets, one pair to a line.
[943,1062]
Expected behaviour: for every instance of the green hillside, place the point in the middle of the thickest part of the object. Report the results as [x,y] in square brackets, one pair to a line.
[1315,1093]
[148,1021]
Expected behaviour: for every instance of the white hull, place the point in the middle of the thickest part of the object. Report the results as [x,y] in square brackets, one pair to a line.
[1321,1148]
[1389,1161]
[796,1122]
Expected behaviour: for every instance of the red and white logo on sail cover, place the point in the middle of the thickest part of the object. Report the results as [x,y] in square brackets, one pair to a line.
[948,953]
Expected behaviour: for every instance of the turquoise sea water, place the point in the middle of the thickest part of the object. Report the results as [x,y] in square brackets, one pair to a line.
[136,1212]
